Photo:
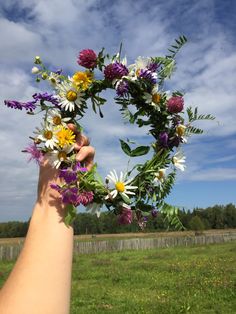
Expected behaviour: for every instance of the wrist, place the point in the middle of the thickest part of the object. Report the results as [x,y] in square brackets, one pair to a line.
[49,210]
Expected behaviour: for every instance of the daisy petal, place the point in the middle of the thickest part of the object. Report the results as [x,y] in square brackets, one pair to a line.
[128,192]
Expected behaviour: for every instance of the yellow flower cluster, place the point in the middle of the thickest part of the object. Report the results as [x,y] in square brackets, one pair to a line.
[65,137]
[82,80]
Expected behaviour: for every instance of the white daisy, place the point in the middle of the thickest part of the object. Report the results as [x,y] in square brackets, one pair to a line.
[179,160]
[94,208]
[121,186]
[142,63]
[48,136]
[69,97]
[154,98]
[54,117]
[56,157]
[160,176]
[54,79]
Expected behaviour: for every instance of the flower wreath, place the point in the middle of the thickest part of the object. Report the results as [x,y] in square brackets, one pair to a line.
[139,192]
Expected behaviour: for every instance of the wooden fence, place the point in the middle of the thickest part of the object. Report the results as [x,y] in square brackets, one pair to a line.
[9,252]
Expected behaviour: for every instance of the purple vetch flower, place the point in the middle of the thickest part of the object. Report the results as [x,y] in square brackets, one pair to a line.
[115,71]
[35,153]
[68,175]
[122,88]
[85,198]
[163,139]
[58,72]
[125,218]
[29,105]
[46,97]
[174,141]
[153,66]
[55,186]
[77,167]
[148,75]
[154,213]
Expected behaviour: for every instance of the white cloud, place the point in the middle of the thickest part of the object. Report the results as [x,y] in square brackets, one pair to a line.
[18,42]
[215,174]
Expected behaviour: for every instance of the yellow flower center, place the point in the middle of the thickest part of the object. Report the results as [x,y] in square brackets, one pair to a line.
[48,134]
[71,95]
[180,129]
[156,98]
[53,80]
[62,155]
[120,186]
[137,72]
[175,160]
[161,174]
[83,79]
[65,137]
[56,120]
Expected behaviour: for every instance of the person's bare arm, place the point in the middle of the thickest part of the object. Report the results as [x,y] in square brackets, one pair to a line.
[40,282]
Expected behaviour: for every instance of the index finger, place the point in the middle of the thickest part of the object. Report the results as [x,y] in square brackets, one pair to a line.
[73,128]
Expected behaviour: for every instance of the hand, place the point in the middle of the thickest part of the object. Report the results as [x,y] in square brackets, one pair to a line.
[48,174]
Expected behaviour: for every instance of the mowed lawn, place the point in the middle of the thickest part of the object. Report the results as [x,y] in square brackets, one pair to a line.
[199,279]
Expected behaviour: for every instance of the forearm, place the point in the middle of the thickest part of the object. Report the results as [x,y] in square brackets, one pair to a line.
[46,261]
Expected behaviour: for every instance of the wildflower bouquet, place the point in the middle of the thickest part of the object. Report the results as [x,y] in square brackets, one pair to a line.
[138,193]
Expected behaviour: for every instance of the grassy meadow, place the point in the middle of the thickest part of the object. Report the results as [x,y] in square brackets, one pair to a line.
[199,279]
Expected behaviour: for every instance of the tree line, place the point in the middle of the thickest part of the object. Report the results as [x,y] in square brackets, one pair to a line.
[215,217]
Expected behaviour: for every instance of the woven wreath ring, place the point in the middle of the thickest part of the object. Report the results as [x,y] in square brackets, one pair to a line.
[139,193]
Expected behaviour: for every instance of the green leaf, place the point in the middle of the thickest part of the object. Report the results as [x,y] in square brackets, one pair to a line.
[125,147]
[140,151]
[70,215]
[99,178]
[125,198]
[145,214]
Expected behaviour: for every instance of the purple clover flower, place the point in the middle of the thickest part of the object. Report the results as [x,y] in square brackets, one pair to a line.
[46,97]
[35,153]
[30,105]
[122,88]
[148,75]
[115,71]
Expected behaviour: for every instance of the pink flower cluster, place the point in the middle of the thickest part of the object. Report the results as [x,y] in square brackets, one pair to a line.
[175,104]
[125,218]
[87,58]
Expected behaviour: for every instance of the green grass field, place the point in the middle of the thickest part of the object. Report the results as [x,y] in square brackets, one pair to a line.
[199,279]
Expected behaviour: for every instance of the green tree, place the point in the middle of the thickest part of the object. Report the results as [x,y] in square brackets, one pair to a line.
[196,224]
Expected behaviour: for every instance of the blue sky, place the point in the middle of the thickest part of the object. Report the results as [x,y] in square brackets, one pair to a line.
[57,30]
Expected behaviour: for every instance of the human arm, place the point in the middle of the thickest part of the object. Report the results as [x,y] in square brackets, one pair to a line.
[41,278]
